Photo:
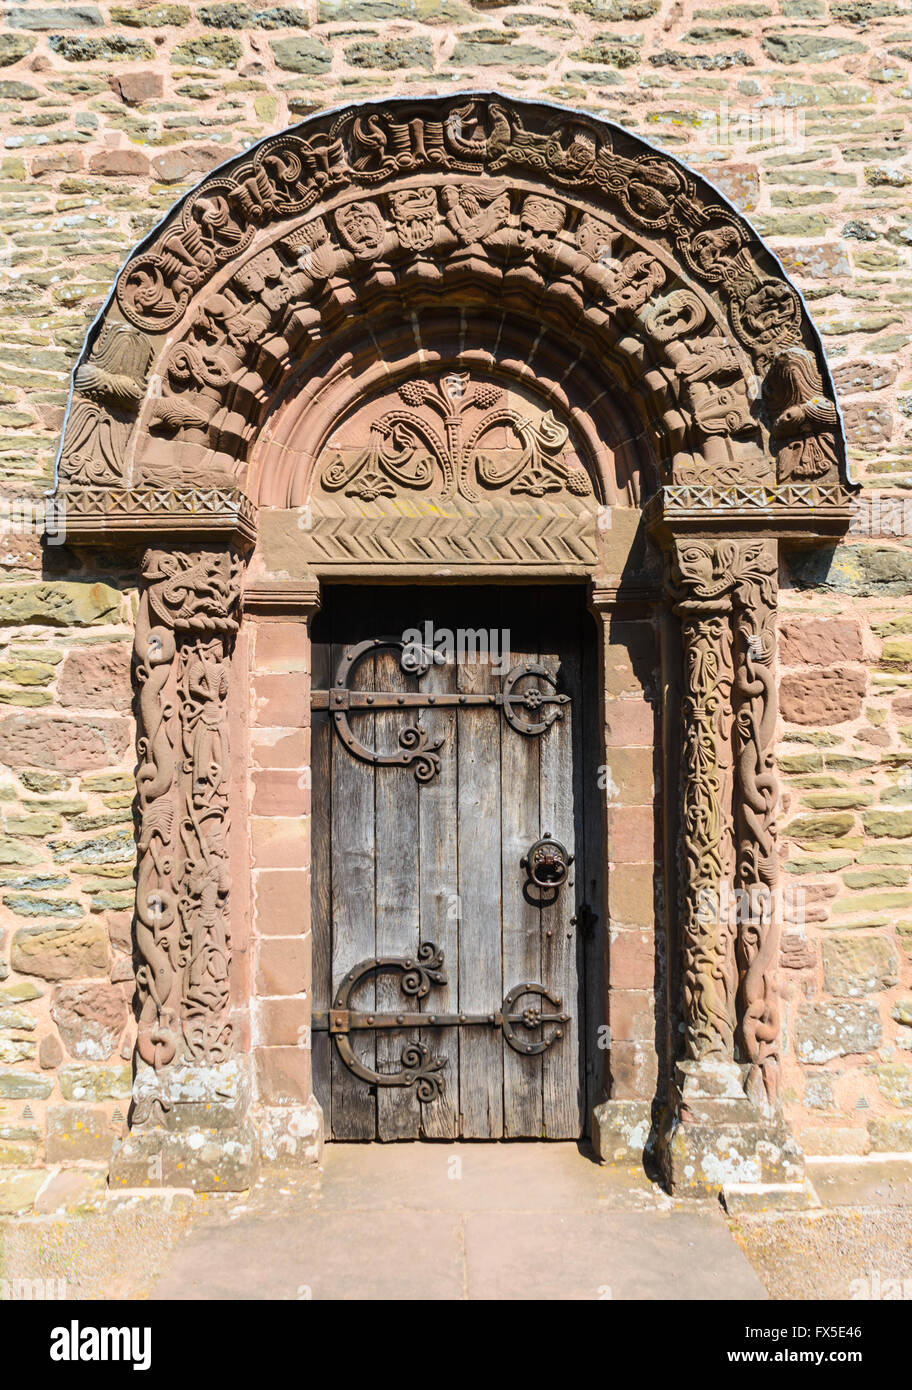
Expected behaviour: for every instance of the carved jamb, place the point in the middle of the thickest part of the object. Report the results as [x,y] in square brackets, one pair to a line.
[710,975]
[184,634]
[725,595]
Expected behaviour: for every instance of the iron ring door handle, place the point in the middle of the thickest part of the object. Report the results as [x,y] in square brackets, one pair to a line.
[547,863]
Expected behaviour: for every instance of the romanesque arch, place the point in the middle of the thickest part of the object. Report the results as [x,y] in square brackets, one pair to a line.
[418,274]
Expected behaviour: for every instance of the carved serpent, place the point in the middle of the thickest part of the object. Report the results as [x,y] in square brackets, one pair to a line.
[759,944]
[155,909]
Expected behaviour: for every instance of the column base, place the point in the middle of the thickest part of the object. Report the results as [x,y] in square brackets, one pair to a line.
[190,1129]
[717,1139]
[620,1132]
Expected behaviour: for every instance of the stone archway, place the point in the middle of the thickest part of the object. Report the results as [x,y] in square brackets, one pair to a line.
[355,258]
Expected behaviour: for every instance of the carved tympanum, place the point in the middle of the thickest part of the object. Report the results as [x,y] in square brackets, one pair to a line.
[463,435]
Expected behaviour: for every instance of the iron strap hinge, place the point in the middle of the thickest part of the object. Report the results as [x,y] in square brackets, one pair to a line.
[529,701]
[417,975]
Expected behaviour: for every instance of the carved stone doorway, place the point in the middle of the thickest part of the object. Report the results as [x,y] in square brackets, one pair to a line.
[474,340]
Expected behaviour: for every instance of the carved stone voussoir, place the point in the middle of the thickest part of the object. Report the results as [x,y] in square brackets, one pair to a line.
[632,260]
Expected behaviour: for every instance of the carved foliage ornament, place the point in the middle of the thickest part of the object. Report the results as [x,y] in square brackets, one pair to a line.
[186,621]
[408,451]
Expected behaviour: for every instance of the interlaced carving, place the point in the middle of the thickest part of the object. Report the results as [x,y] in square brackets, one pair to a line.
[725,592]
[457,188]
[187,618]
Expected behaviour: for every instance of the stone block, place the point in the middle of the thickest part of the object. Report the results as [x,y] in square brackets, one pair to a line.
[77,1132]
[822,698]
[857,965]
[819,641]
[631,896]
[97,677]
[73,1192]
[283,1076]
[283,965]
[86,1083]
[18,1190]
[290,1135]
[91,1019]
[621,1130]
[833,1029]
[281,898]
[67,745]
[281,792]
[632,959]
[61,953]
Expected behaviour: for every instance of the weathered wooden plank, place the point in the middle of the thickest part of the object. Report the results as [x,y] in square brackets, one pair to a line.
[480,973]
[396,889]
[354,934]
[560,1064]
[438,879]
[521,917]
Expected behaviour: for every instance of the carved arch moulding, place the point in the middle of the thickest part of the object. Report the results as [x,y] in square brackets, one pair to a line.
[492,308]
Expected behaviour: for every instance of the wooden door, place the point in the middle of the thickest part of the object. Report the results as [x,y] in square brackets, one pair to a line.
[427,853]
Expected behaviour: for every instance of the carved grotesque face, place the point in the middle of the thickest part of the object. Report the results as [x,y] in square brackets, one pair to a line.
[714,247]
[361,228]
[770,309]
[540,219]
[415,213]
[259,272]
[595,238]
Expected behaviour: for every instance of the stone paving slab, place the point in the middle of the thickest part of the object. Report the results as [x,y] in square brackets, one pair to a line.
[465,1221]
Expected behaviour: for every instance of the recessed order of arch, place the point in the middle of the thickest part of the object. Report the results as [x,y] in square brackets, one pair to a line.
[473,204]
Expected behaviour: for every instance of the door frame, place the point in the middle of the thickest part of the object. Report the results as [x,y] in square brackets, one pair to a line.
[277,622]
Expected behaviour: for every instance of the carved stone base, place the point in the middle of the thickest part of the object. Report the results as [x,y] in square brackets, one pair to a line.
[290,1136]
[190,1128]
[620,1131]
[718,1138]
[205,1160]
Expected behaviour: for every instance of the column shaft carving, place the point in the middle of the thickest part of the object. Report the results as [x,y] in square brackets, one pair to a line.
[725,594]
[758,788]
[184,637]
[710,975]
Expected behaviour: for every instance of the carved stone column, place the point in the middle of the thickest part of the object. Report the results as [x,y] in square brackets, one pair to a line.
[725,1127]
[191,1093]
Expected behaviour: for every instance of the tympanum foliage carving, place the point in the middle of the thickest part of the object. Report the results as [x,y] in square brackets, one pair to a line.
[408,451]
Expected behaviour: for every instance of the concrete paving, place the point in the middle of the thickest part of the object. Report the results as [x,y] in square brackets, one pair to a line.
[460,1221]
